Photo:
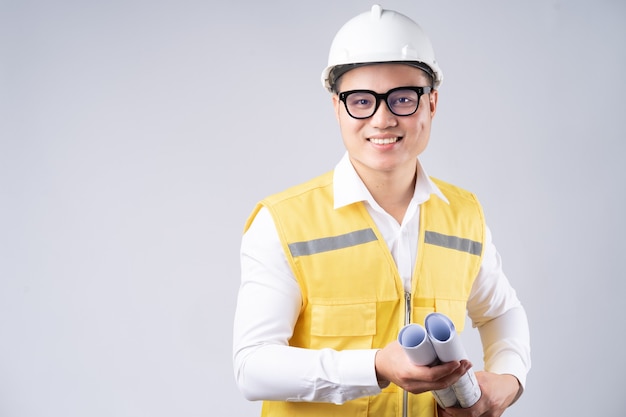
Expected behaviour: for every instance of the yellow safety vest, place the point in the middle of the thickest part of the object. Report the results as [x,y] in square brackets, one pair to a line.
[353,296]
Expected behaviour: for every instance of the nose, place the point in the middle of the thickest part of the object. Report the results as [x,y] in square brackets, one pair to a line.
[383,117]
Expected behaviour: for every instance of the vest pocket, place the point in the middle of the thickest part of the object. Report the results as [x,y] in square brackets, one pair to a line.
[454,309]
[343,326]
[419,314]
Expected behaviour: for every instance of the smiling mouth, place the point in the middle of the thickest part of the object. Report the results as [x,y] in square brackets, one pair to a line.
[384,141]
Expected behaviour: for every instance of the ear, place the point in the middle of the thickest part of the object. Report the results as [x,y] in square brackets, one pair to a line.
[433,97]
[336,105]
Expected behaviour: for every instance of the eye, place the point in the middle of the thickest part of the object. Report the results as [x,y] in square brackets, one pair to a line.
[403,99]
[360,100]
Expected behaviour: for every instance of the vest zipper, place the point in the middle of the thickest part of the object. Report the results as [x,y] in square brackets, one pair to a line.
[407,320]
[407,308]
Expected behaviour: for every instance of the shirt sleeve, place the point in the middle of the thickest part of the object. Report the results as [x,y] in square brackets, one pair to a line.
[496,311]
[268,305]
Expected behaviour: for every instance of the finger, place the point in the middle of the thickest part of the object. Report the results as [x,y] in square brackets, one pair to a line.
[450,372]
[441,412]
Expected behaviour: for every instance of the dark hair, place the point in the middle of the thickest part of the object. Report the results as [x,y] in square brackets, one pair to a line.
[336,73]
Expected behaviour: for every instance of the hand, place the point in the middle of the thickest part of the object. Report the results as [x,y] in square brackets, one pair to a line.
[393,365]
[497,393]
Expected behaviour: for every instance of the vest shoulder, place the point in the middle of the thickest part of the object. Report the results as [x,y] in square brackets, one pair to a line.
[300,195]
[320,182]
[452,191]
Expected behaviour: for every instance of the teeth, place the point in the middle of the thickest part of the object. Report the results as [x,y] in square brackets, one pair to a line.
[385,141]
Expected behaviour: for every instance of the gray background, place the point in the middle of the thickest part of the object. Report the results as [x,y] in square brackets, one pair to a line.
[136,137]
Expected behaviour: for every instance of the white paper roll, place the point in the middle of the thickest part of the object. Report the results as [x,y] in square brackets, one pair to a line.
[443,337]
[419,349]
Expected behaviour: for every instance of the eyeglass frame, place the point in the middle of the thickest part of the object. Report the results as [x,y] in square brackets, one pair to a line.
[343,96]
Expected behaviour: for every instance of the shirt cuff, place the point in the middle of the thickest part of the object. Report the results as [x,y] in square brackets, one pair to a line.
[357,370]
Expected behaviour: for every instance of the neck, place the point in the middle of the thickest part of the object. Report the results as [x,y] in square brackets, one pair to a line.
[392,190]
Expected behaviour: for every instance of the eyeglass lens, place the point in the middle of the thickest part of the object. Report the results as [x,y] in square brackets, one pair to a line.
[362,104]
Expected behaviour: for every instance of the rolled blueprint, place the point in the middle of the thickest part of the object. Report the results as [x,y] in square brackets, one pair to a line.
[420,351]
[448,347]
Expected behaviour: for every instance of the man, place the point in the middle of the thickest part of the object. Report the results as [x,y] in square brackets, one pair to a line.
[333,268]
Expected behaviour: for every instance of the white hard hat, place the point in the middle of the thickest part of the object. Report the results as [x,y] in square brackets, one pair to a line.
[380,36]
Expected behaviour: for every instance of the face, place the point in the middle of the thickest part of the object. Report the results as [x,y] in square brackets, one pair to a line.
[385,143]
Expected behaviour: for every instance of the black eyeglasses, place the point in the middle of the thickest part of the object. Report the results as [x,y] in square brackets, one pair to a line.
[401,101]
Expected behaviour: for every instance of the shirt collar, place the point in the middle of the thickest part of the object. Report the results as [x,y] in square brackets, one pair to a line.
[349,189]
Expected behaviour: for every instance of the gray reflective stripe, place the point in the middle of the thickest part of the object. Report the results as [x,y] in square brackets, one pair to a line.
[326,244]
[453,242]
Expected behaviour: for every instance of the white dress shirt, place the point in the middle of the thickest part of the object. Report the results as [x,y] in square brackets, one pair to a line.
[269,301]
